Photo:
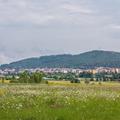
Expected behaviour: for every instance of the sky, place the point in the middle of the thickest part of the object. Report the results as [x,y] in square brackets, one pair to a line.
[33,28]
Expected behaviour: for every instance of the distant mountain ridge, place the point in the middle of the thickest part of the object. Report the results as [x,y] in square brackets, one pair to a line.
[89,59]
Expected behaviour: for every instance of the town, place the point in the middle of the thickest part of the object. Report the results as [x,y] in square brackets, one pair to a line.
[60,74]
[60,70]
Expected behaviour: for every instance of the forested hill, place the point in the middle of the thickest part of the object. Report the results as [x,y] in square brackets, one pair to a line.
[85,60]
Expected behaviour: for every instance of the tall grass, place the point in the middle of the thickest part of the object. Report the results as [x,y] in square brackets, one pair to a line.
[59,102]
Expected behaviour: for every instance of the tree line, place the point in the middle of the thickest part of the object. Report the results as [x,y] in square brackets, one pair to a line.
[26,77]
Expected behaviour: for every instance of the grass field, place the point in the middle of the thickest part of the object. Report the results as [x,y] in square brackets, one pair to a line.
[5,81]
[60,101]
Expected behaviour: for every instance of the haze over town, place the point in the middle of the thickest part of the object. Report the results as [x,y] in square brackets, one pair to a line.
[36,27]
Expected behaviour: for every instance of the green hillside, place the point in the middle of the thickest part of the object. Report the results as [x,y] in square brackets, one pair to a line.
[85,60]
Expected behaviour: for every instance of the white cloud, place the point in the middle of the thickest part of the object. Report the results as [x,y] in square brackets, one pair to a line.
[77,9]
[114,26]
[4,59]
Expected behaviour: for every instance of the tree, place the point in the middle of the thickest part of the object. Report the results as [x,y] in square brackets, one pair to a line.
[36,77]
[24,77]
[86,75]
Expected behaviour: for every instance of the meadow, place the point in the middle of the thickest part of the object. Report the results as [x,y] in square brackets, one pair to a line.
[60,101]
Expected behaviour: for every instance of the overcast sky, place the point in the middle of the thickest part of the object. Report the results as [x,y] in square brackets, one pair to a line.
[43,27]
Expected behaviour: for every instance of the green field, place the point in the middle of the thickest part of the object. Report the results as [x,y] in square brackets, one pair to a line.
[60,101]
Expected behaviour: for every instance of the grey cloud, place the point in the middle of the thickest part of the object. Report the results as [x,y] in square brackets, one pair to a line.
[38,12]
[36,27]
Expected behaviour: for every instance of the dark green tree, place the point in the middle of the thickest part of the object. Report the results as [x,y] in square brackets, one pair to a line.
[24,77]
[36,77]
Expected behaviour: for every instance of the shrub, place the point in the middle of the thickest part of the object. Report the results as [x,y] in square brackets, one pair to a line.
[87,81]
[75,81]
[99,83]
[14,81]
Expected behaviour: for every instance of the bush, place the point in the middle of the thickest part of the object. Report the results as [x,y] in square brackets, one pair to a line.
[87,81]
[46,82]
[75,81]
[27,77]
[14,81]
[99,83]
[91,79]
